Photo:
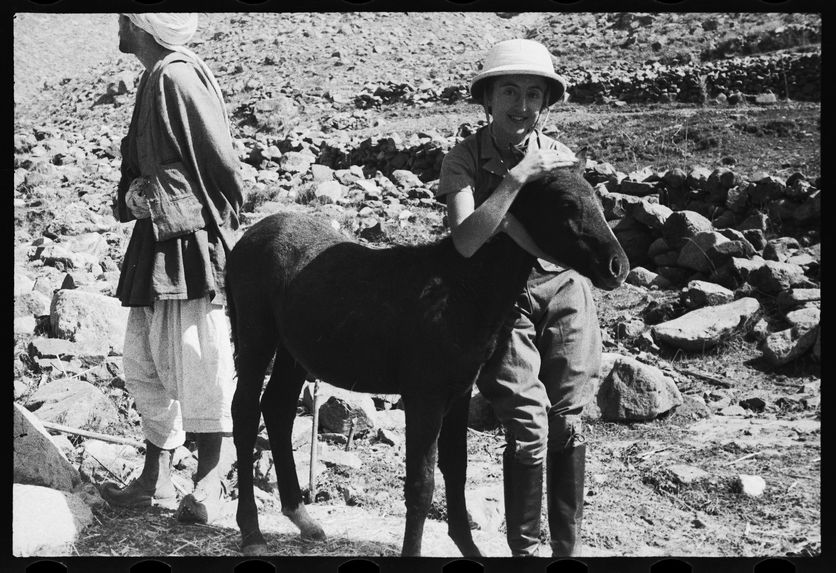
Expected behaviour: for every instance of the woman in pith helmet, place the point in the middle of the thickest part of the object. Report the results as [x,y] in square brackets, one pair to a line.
[540,377]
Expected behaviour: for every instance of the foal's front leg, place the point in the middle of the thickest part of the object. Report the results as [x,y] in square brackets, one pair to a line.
[423,423]
[452,459]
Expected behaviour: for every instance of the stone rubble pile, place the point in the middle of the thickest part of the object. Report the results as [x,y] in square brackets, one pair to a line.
[795,76]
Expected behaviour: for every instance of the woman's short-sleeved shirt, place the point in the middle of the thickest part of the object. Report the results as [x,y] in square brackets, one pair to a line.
[475,164]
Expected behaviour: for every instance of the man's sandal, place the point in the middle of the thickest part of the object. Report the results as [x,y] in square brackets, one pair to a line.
[200,506]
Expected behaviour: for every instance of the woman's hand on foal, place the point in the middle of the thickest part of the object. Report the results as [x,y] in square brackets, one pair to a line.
[538,163]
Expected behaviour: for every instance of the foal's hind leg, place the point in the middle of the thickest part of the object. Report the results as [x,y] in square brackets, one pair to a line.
[423,423]
[278,404]
[452,459]
[255,348]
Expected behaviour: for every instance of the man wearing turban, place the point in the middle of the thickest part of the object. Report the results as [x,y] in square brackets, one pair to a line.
[182,186]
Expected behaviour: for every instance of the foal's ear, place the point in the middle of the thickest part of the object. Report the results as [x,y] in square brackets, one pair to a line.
[580,166]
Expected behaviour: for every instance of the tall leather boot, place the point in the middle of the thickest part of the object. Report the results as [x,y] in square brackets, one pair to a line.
[523,484]
[565,477]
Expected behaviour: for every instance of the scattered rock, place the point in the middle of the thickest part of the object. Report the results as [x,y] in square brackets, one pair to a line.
[74,403]
[37,460]
[694,252]
[773,277]
[32,303]
[733,410]
[640,276]
[22,283]
[780,249]
[755,404]
[389,437]
[705,327]
[41,347]
[805,318]
[24,326]
[296,162]
[104,459]
[703,293]
[633,391]
[681,226]
[630,328]
[330,192]
[337,414]
[693,408]
[784,346]
[486,507]
[750,486]
[686,474]
[33,507]
[406,179]
[92,319]
[340,458]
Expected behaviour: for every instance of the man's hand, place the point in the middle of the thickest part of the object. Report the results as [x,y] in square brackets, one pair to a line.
[136,200]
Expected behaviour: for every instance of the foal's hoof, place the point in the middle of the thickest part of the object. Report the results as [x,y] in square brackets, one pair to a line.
[254,550]
[309,529]
[313,533]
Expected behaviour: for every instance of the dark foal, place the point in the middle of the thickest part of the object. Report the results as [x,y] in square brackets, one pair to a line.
[418,321]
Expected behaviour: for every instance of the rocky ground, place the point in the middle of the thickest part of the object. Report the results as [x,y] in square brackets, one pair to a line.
[705,432]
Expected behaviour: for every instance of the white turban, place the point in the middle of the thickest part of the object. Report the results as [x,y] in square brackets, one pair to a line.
[171,30]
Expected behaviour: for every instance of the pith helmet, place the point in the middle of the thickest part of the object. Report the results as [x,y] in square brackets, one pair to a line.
[519,57]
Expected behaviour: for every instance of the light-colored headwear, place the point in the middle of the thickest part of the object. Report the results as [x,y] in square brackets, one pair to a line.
[171,30]
[519,57]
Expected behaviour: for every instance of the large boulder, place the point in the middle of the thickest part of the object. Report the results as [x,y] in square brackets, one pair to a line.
[22,283]
[706,327]
[723,252]
[784,346]
[37,460]
[93,244]
[339,414]
[89,318]
[780,249]
[329,191]
[617,205]
[742,268]
[296,161]
[809,212]
[74,403]
[406,179]
[63,258]
[640,276]
[633,391]
[703,293]
[798,297]
[805,318]
[635,241]
[32,303]
[46,521]
[103,459]
[653,215]
[681,226]
[486,507]
[773,277]
[693,254]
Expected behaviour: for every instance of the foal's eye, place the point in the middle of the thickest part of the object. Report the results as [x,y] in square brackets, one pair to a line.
[567,206]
